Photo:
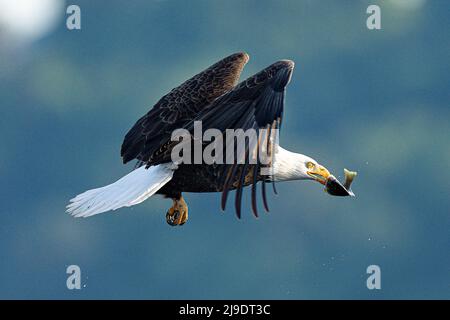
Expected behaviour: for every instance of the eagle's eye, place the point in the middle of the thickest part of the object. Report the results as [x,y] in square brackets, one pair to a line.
[310,165]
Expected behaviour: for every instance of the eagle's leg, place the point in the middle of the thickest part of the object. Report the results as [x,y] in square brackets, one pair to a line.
[178,213]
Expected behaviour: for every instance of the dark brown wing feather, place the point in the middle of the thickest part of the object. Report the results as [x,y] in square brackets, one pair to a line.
[256,103]
[151,132]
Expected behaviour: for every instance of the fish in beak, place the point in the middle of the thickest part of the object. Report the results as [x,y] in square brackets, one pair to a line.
[335,188]
[332,185]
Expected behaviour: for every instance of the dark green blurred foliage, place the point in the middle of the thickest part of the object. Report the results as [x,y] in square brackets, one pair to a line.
[373,101]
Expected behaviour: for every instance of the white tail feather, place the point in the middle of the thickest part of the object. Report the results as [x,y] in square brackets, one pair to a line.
[131,189]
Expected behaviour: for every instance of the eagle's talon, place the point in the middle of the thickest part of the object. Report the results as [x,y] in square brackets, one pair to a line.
[178,214]
[171,218]
[184,218]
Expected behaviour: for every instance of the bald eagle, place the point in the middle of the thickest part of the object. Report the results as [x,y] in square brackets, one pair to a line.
[215,98]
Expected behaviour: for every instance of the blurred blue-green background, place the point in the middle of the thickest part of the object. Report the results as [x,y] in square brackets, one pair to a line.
[375,101]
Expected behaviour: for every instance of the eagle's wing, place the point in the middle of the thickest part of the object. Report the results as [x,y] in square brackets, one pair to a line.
[179,106]
[255,103]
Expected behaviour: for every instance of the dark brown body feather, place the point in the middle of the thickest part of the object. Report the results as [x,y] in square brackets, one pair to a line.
[201,178]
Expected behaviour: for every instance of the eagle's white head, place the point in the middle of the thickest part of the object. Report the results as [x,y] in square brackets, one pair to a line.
[295,166]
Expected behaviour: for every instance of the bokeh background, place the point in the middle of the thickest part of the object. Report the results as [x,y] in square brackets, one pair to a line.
[372,101]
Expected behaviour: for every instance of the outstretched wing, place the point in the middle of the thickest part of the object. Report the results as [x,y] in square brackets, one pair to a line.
[179,106]
[255,103]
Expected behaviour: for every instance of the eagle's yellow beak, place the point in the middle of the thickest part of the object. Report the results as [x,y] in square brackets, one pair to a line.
[318,173]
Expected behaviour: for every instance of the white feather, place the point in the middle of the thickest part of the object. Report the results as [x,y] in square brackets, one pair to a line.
[131,189]
[289,165]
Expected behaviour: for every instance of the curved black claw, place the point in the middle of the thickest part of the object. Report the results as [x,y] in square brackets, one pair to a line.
[172,218]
